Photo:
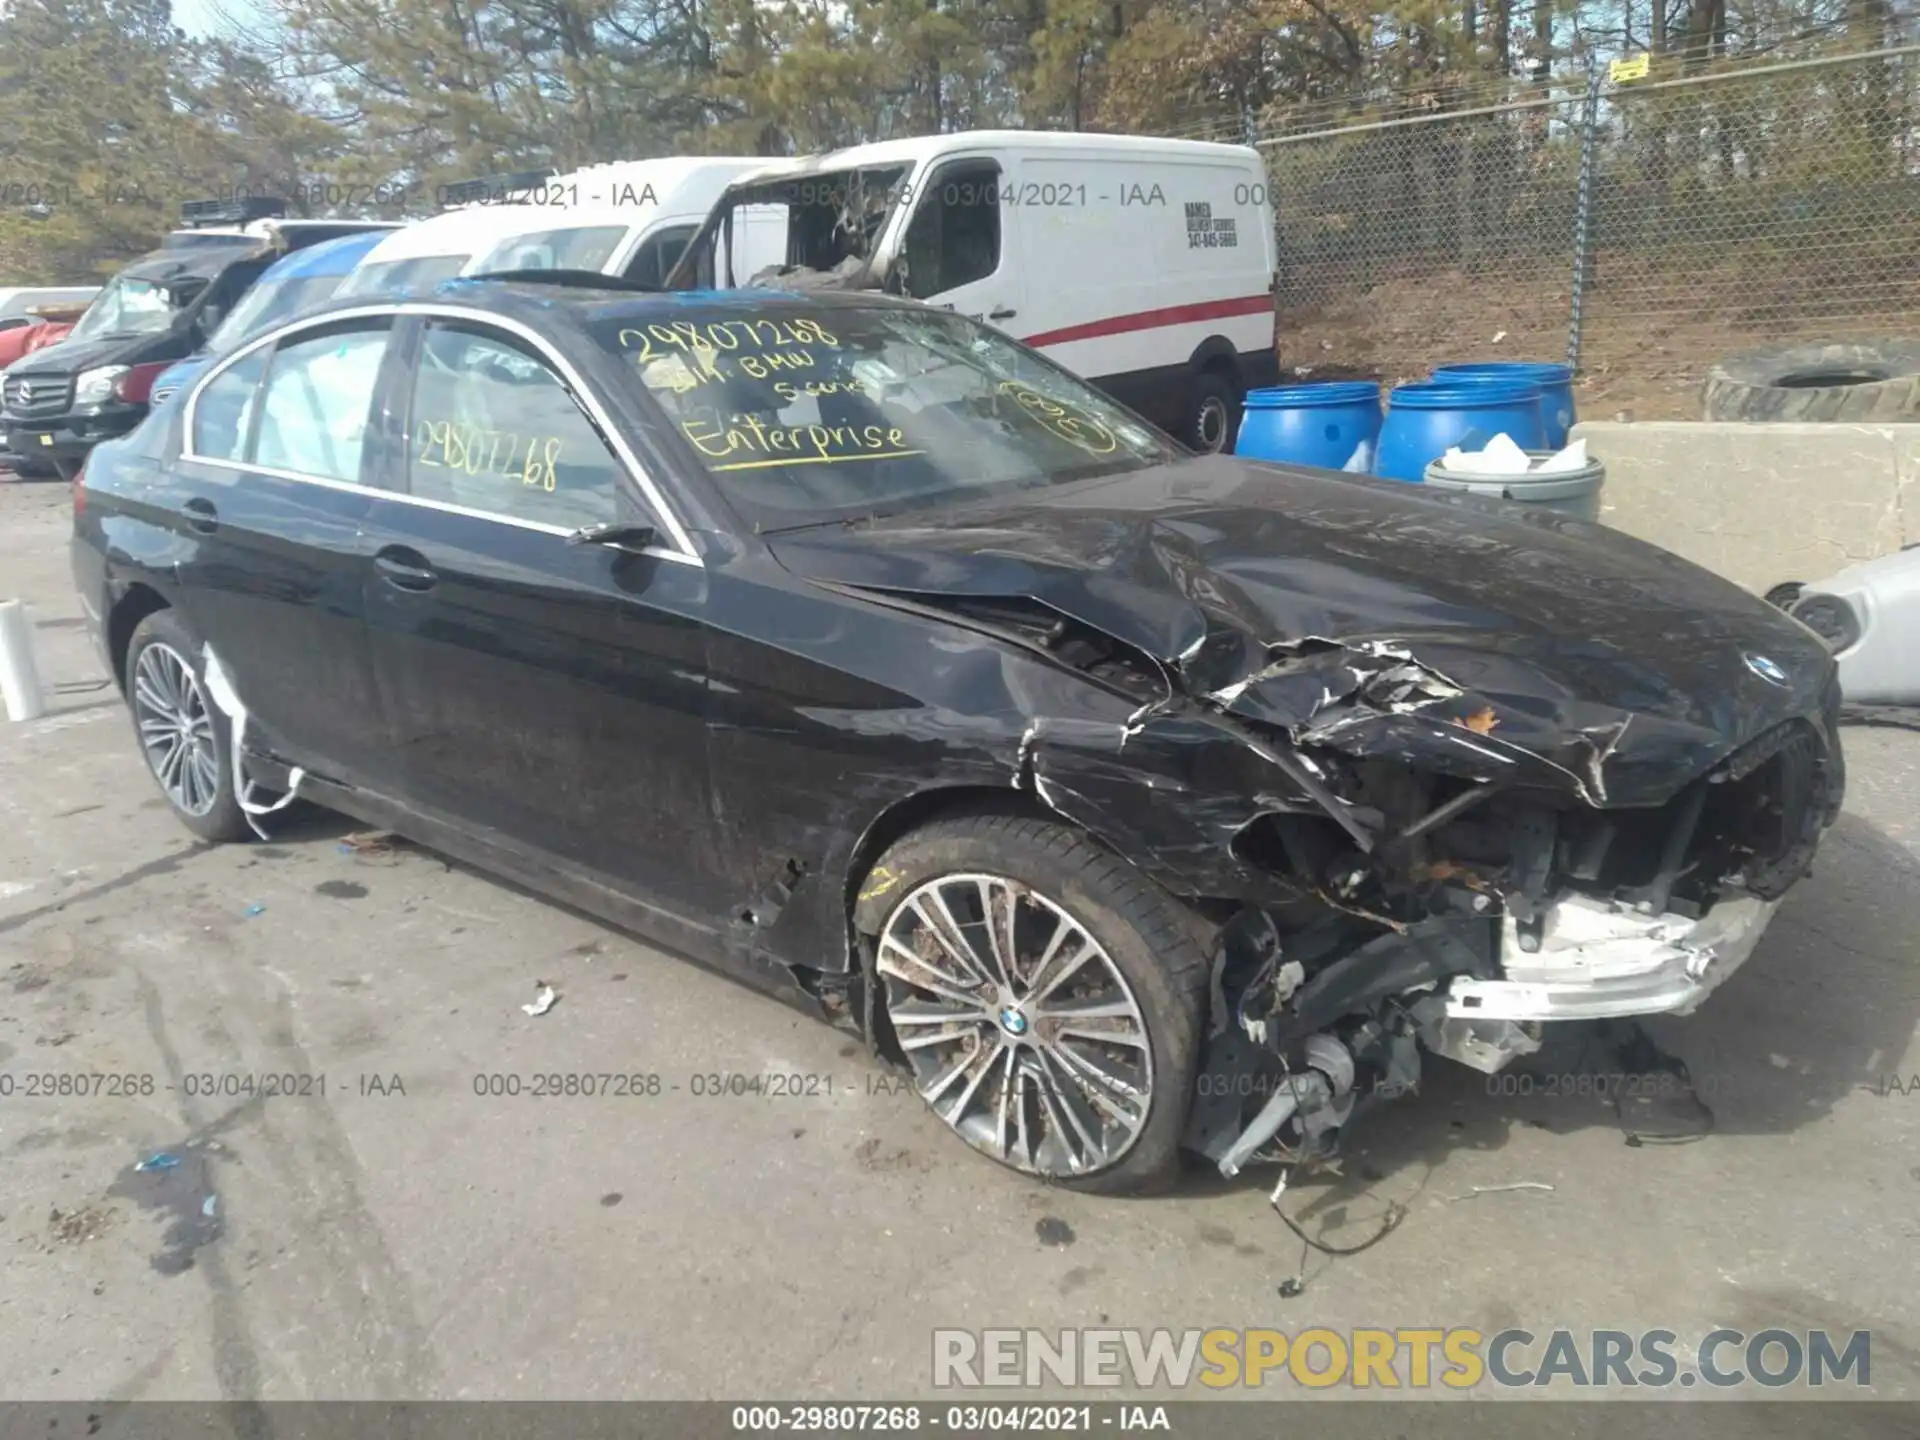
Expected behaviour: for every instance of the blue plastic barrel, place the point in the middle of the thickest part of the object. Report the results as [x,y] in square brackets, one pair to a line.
[1555,382]
[1423,420]
[1321,424]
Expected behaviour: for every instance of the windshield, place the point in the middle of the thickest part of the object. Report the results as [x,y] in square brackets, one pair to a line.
[806,415]
[586,247]
[128,307]
[391,275]
[823,223]
[267,304]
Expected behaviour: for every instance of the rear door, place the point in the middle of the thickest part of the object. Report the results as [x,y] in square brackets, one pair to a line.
[545,691]
[276,475]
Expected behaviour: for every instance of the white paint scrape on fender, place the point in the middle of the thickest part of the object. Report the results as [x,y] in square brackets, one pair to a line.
[1597,960]
[220,688]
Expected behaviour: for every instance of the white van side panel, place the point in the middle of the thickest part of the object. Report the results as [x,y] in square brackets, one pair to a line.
[1130,265]
[759,240]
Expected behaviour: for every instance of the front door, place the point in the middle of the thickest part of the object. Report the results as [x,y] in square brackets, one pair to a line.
[545,692]
[958,252]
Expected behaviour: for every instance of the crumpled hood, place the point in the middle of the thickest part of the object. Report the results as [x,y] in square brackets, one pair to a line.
[1378,618]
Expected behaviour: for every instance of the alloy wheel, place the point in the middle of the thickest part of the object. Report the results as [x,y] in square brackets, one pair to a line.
[1210,428]
[1023,1035]
[176,728]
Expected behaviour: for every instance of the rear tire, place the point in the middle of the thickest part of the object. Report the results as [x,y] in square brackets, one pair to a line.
[1016,1059]
[1214,424]
[184,737]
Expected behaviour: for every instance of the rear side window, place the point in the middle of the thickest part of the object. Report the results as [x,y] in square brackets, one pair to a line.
[315,404]
[494,429]
[223,413]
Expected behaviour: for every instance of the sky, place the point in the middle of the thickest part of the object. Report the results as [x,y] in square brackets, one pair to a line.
[201,18]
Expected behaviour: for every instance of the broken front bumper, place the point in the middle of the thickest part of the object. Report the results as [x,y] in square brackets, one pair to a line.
[1598,960]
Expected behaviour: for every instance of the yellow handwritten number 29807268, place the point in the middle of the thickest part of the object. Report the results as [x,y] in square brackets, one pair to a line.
[450,446]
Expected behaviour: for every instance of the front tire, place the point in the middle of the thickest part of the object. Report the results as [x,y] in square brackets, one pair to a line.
[184,737]
[1047,996]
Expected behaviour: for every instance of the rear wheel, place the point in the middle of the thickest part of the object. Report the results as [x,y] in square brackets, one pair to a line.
[1048,997]
[184,737]
[1215,422]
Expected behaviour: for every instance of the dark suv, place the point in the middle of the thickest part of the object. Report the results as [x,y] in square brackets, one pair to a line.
[56,405]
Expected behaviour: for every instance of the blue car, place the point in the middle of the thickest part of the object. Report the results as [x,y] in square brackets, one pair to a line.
[302,279]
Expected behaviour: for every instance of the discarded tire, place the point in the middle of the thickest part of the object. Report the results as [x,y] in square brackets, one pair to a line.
[1852,381]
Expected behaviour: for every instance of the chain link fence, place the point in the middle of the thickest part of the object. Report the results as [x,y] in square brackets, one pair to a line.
[1641,229]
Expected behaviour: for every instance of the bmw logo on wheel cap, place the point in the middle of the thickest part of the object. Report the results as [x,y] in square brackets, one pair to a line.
[1012,1021]
[1767,670]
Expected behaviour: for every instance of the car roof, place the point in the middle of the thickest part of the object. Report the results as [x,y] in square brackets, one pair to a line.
[465,231]
[585,215]
[205,262]
[915,148]
[538,302]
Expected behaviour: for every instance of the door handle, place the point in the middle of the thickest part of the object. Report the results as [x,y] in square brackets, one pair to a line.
[1002,314]
[405,569]
[201,515]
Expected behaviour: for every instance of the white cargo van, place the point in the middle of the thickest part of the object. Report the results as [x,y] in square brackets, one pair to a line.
[629,218]
[1145,265]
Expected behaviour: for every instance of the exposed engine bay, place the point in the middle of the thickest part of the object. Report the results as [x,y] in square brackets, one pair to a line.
[1459,916]
[1480,917]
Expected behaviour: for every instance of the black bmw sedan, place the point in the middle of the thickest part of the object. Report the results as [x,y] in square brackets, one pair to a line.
[1129,801]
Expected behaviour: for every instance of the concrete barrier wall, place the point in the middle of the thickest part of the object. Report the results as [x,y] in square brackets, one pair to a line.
[1761,504]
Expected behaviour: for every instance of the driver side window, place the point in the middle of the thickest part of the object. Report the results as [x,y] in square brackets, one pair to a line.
[954,237]
[657,254]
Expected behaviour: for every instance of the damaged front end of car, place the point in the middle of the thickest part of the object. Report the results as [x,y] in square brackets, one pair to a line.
[1432,775]
[1394,861]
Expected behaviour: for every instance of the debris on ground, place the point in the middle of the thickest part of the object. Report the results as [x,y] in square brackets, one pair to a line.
[89,1222]
[253,910]
[1474,1190]
[544,1001]
[177,1185]
[370,842]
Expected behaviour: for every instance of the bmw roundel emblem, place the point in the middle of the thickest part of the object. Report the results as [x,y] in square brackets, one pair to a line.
[1767,670]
